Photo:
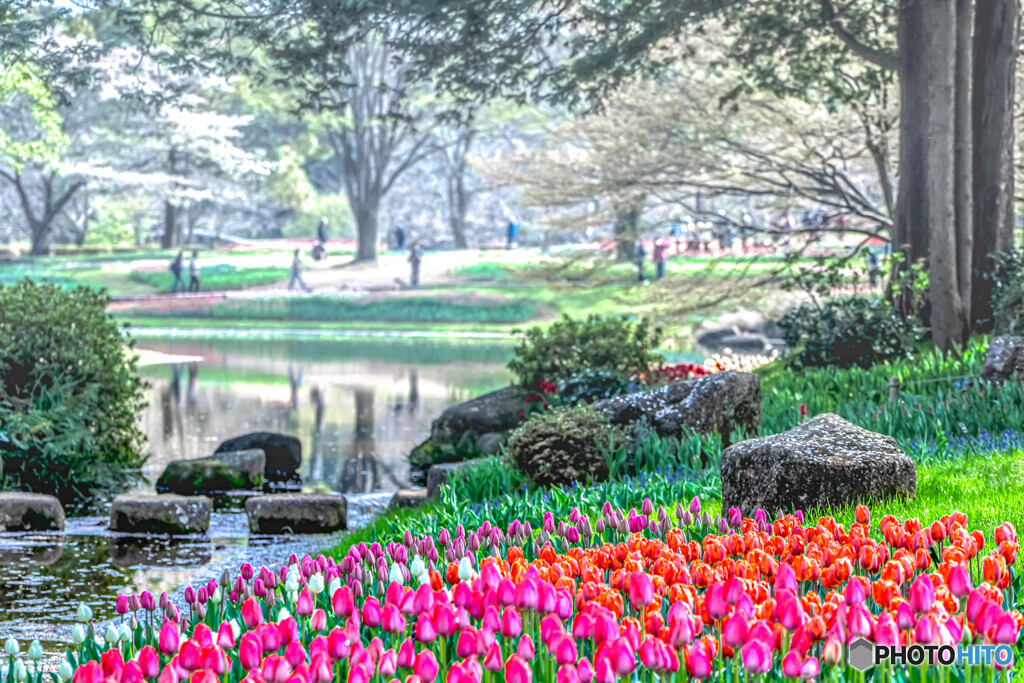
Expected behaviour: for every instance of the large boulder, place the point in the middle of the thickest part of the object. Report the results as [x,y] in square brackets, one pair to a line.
[1004,359]
[497,411]
[297,513]
[716,404]
[227,471]
[824,462]
[408,498]
[30,512]
[161,514]
[283,453]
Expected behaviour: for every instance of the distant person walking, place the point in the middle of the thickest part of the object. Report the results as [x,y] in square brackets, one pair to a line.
[321,230]
[874,267]
[399,238]
[415,259]
[177,269]
[660,254]
[193,272]
[320,248]
[641,254]
[676,232]
[512,233]
[295,274]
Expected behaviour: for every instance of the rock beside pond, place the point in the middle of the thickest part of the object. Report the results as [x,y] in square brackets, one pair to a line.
[1004,359]
[491,443]
[297,513]
[227,471]
[824,462]
[408,498]
[165,513]
[717,404]
[497,411]
[438,475]
[283,452]
[30,512]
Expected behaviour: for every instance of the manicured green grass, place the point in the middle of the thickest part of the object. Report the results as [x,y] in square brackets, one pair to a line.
[219,277]
[201,325]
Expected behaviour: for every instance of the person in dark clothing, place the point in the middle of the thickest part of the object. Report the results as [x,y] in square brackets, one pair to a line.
[660,254]
[193,272]
[399,238]
[177,269]
[415,259]
[641,254]
[512,233]
[321,230]
[874,267]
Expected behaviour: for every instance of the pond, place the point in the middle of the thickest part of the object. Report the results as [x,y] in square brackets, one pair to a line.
[357,406]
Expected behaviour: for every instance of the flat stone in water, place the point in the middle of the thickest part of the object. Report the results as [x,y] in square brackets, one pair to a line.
[160,514]
[297,513]
[30,512]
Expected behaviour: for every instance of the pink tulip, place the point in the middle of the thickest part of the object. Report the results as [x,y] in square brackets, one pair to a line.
[319,646]
[295,653]
[320,669]
[621,656]
[811,668]
[426,666]
[886,631]
[423,600]
[189,654]
[905,617]
[511,623]
[250,651]
[216,660]
[567,674]
[304,603]
[854,593]
[338,643]
[406,654]
[252,614]
[168,675]
[425,631]
[832,651]
[859,621]
[757,657]
[372,612]
[225,636]
[388,663]
[445,620]
[960,581]
[641,590]
[563,648]
[466,644]
[276,669]
[715,601]
[518,671]
[734,590]
[975,602]
[167,641]
[342,602]
[785,580]
[734,631]
[526,594]
[1004,632]
[492,662]
[131,672]
[922,595]
[792,665]
[525,649]
[604,672]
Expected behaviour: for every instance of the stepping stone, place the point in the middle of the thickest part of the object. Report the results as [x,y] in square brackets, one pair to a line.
[166,513]
[30,512]
[226,471]
[297,513]
[408,498]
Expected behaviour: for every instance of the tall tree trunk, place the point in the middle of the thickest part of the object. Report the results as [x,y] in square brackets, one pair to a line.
[366,231]
[457,211]
[964,157]
[42,236]
[626,234]
[170,236]
[930,27]
[996,35]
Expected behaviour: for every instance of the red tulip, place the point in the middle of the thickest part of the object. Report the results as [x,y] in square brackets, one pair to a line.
[252,614]
[518,671]
[167,641]
[111,663]
[426,666]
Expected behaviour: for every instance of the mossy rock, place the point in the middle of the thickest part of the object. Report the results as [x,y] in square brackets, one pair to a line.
[229,471]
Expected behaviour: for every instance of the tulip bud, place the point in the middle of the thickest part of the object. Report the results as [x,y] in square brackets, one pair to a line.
[111,636]
[11,646]
[78,634]
[35,651]
[84,613]
[20,673]
[64,672]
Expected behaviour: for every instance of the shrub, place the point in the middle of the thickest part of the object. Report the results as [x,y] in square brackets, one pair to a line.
[569,346]
[590,385]
[848,332]
[69,392]
[563,446]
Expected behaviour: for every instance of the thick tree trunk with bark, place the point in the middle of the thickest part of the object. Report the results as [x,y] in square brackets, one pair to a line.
[930,26]
[169,238]
[366,231]
[626,234]
[997,32]
[964,157]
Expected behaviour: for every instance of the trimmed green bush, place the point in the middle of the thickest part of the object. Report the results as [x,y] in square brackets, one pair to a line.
[69,392]
[569,346]
[563,446]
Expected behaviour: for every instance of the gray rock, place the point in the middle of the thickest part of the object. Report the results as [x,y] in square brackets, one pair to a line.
[227,471]
[712,338]
[1004,358]
[821,463]
[283,453]
[165,513]
[297,513]
[30,512]
[491,443]
[408,498]
[718,404]
[497,411]
[438,475]
[745,342]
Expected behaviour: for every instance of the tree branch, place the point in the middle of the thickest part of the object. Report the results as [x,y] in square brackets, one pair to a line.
[882,58]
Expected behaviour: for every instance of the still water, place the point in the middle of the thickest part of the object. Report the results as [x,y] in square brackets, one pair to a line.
[357,407]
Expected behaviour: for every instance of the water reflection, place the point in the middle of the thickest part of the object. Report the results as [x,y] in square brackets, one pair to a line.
[356,412]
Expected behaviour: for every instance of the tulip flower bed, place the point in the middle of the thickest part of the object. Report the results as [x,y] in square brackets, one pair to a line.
[626,596]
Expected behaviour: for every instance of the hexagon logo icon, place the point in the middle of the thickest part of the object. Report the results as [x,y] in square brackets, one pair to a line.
[861,655]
